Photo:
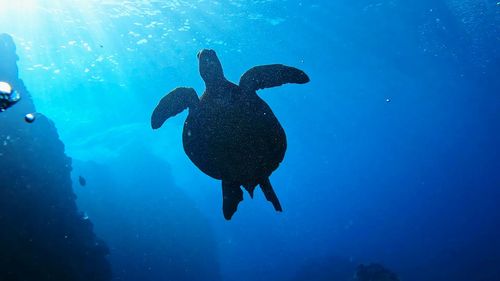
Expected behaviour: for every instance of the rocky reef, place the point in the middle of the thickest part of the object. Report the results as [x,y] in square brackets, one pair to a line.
[154,231]
[375,272]
[43,236]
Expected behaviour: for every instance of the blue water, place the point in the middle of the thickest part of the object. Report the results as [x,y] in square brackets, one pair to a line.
[393,147]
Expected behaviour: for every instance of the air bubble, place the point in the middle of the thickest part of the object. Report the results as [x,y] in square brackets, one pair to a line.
[29,118]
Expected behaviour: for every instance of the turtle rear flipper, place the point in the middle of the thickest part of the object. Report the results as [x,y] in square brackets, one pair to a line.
[271,75]
[232,195]
[270,195]
[172,104]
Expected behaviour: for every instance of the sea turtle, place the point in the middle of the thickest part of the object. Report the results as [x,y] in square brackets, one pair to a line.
[230,133]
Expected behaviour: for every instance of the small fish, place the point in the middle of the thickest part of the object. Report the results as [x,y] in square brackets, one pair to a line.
[82,181]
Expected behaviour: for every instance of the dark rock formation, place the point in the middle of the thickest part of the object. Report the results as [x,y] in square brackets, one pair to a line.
[338,269]
[42,235]
[374,272]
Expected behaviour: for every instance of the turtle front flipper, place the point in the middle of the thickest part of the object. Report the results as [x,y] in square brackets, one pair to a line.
[172,104]
[232,195]
[272,75]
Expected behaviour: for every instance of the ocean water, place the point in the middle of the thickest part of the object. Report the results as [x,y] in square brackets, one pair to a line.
[393,146]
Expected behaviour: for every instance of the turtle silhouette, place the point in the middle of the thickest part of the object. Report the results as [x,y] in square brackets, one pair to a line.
[230,133]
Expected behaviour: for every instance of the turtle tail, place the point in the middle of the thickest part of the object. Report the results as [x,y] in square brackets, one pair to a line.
[268,190]
[232,195]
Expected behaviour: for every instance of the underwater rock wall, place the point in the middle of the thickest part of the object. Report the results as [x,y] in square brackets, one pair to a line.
[43,236]
[154,231]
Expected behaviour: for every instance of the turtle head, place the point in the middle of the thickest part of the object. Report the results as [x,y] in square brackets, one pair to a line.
[210,66]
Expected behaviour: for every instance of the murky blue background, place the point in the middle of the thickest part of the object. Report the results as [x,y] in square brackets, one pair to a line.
[393,152]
